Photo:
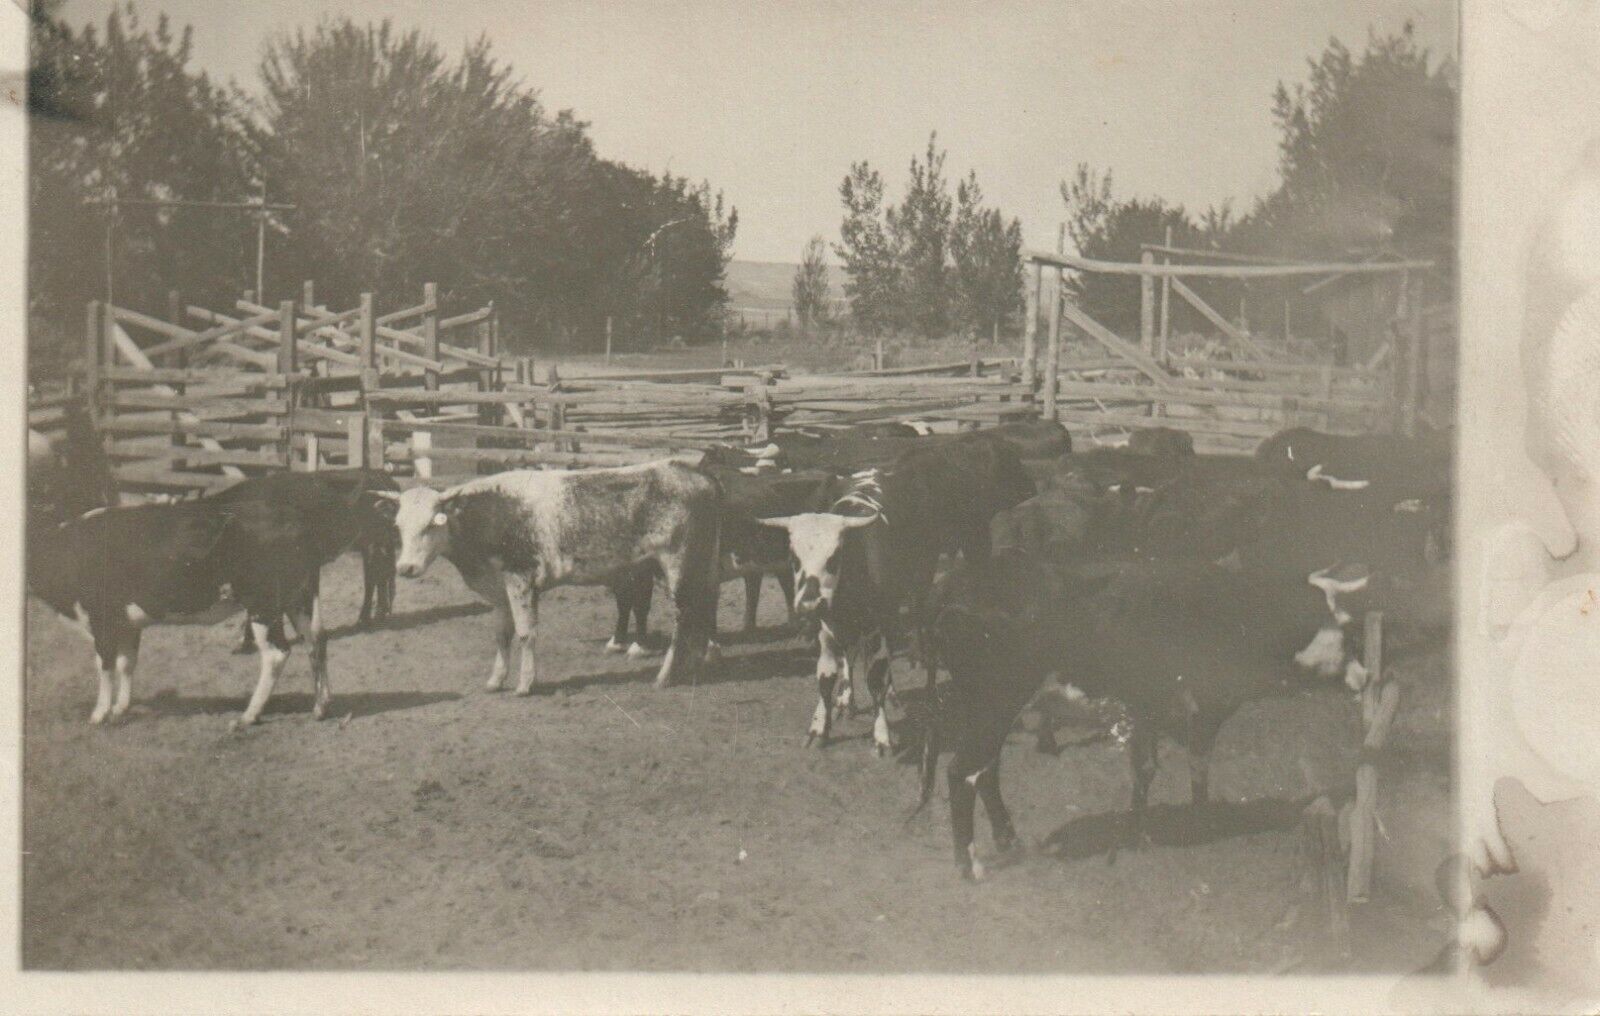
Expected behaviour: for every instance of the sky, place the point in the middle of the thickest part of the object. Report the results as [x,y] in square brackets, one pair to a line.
[772,101]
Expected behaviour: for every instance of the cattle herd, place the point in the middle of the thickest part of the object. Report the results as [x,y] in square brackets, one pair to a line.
[1177,585]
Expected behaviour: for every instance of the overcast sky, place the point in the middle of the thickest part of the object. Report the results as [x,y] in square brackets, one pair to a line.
[771,101]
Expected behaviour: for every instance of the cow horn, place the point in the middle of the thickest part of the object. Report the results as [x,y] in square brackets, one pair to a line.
[387,495]
[784,522]
[856,521]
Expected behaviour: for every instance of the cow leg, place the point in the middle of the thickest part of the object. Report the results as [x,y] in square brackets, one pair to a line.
[752,599]
[385,559]
[830,663]
[274,647]
[878,686]
[845,691]
[785,579]
[309,624]
[622,593]
[1005,834]
[693,575]
[369,588]
[503,629]
[247,640]
[644,591]
[1143,742]
[523,597]
[105,652]
[127,660]
[961,777]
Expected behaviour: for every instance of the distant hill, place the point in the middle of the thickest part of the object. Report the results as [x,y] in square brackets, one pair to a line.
[763,285]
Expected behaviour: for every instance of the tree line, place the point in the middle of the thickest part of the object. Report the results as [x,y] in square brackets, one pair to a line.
[403,165]
[932,264]
[1366,168]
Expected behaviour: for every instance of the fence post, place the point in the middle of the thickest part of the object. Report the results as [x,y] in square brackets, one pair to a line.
[1030,327]
[877,354]
[287,357]
[91,360]
[1147,305]
[1052,355]
[486,411]
[1415,354]
[369,349]
[308,295]
[175,316]
[608,340]
[108,357]
[430,333]
[558,410]
[1166,303]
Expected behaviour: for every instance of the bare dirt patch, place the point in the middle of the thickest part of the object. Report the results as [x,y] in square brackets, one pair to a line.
[606,825]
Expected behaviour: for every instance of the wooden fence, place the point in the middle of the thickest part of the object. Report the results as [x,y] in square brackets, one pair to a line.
[200,398]
[1230,404]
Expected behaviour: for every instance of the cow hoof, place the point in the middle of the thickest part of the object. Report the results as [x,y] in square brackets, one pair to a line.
[713,654]
[244,649]
[522,692]
[97,719]
[815,740]
[238,723]
[494,686]
[635,651]
[613,646]
[319,711]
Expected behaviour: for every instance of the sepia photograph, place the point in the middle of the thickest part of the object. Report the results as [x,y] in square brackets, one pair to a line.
[1006,493]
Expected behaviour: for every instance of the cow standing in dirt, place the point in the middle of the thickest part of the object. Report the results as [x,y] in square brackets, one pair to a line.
[875,550]
[515,534]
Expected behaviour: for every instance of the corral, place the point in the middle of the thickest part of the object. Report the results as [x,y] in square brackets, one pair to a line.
[606,825]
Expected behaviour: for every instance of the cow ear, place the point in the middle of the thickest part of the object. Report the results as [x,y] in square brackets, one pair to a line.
[387,495]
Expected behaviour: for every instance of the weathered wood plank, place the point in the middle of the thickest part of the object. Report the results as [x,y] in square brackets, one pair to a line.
[206,428]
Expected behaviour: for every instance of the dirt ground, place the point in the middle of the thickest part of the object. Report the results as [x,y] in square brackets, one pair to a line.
[605,825]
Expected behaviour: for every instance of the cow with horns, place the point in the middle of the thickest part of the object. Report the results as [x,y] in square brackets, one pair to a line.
[515,534]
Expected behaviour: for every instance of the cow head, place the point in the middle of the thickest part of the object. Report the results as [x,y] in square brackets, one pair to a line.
[423,519]
[1328,654]
[816,550]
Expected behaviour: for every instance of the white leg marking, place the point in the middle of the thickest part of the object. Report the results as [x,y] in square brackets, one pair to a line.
[881,741]
[613,646]
[635,651]
[524,602]
[272,661]
[125,664]
[819,722]
[102,703]
[977,865]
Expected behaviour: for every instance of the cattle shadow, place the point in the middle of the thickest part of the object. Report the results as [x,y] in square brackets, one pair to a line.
[731,670]
[410,619]
[1174,825]
[168,702]
[760,636]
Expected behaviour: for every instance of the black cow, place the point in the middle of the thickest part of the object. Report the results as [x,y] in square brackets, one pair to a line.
[936,499]
[120,570]
[367,528]
[70,475]
[850,451]
[1166,441]
[1181,643]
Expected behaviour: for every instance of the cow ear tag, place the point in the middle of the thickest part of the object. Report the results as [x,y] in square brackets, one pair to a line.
[441,519]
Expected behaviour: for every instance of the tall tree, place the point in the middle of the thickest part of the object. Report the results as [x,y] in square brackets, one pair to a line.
[921,230]
[986,262]
[810,287]
[119,115]
[1366,155]
[410,167]
[869,252]
[1106,228]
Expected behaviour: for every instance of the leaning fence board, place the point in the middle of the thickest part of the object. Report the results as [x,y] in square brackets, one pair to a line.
[1239,336]
[207,428]
[520,456]
[221,331]
[1146,365]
